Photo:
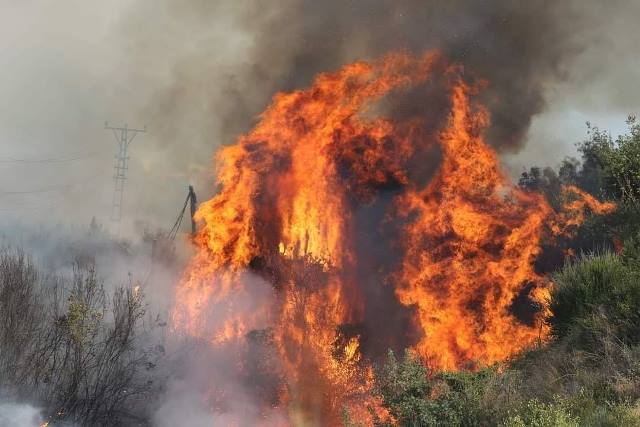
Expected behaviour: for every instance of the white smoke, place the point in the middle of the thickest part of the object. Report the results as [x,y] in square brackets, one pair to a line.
[213,385]
[19,415]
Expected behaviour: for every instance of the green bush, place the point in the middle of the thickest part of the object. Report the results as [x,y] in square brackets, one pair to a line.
[415,396]
[621,415]
[405,388]
[596,295]
[563,413]
[536,414]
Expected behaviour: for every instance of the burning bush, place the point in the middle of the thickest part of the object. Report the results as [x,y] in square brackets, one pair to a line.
[351,219]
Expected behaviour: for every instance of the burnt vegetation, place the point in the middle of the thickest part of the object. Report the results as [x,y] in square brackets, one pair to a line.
[71,347]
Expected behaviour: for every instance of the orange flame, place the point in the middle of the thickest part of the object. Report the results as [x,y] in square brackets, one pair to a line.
[286,210]
[470,250]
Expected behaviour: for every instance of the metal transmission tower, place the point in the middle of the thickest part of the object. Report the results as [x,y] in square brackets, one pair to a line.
[124,136]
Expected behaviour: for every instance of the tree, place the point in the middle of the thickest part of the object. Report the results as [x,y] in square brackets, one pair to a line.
[613,167]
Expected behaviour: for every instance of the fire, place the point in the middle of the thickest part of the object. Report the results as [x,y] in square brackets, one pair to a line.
[279,249]
[470,250]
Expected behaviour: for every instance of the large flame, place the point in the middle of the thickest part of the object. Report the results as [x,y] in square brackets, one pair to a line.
[461,250]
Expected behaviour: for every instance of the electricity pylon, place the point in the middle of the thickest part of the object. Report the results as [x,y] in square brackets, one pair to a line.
[124,136]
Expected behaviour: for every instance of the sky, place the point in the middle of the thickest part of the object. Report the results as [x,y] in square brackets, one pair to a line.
[194,72]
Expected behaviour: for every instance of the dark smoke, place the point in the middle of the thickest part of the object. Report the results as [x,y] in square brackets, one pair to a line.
[214,95]
[519,47]
[198,72]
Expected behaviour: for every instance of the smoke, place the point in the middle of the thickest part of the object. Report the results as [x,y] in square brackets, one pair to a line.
[188,398]
[597,86]
[198,73]
[521,49]
[19,415]
[225,384]
[226,60]
[518,47]
[60,250]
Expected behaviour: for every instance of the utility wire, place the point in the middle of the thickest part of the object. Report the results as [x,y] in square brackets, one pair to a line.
[52,189]
[48,160]
[39,191]
[69,159]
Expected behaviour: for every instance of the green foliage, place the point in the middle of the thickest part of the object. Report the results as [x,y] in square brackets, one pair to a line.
[417,397]
[85,309]
[536,414]
[611,168]
[463,397]
[608,169]
[595,293]
[615,165]
[405,389]
[620,415]
[549,182]
[580,411]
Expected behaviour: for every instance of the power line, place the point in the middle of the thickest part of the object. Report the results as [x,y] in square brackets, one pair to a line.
[39,191]
[52,189]
[48,160]
[46,204]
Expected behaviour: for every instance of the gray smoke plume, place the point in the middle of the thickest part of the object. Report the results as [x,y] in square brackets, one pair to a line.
[199,72]
[520,48]
[18,414]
